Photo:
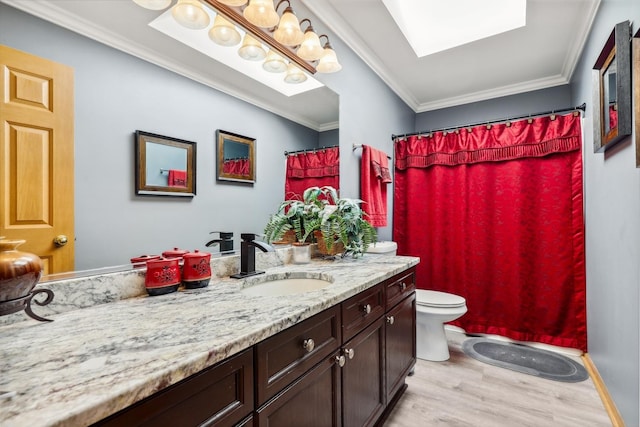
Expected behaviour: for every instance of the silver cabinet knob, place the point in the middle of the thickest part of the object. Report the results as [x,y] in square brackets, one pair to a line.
[349,353]
[340,360]
[309,345]
[366,308]
[390,320]
[403,286]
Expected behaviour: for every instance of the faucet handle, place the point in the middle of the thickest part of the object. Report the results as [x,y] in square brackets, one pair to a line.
[225,235]
[248,237]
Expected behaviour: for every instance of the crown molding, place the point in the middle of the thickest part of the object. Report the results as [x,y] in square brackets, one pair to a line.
[49,12]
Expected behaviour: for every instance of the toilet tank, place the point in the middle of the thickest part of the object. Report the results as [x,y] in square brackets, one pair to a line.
[383,248]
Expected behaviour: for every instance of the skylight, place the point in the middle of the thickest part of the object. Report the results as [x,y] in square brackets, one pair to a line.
[432,26]
[199,40]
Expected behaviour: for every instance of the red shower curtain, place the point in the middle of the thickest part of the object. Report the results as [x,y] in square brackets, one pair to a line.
[311,169]
[495,213]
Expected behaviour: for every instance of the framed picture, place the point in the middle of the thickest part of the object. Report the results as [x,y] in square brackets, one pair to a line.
[612,90]
[236,158]
[165,166]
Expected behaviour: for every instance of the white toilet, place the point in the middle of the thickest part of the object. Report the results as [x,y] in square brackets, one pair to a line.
[433,310]
[383,248]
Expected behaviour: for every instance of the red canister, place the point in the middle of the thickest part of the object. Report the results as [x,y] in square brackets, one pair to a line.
[196,270]
[141,261]
[174,253]
[163,276]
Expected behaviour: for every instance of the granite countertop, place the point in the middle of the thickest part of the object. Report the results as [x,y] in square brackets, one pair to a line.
[92,362]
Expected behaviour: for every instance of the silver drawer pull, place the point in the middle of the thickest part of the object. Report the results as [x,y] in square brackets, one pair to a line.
[340,360]
[403,286]
[349,353]
[390,320]
[366,308]
[309,345]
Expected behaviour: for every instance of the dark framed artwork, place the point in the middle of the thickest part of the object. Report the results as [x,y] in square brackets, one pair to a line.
[236,158]
[612,90]
[165,166]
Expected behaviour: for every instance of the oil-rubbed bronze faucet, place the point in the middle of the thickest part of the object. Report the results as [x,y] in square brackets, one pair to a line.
[225,241]
[248,255]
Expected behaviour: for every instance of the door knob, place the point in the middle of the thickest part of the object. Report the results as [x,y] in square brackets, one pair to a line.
[60,240]
[390,320]
[308,345]
[366,309]
[340,360]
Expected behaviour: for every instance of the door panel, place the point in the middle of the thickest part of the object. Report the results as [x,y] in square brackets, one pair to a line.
[36,162]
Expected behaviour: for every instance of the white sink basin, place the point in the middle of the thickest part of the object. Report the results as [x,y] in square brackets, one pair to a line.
[281,287]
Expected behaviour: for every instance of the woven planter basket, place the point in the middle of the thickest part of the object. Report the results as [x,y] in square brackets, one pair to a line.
[289,237]
[337,248]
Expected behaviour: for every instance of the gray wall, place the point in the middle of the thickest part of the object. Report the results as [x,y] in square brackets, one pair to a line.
[370,113]
[508,106]
[612,200]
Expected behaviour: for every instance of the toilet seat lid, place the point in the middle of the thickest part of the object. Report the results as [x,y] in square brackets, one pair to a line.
[438,299]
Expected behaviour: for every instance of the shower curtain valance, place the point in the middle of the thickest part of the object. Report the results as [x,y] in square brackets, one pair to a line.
[490,143]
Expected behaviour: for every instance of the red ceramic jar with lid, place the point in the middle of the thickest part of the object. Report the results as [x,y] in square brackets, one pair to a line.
[196,270]
[163,276]
[174,253]
[141,261]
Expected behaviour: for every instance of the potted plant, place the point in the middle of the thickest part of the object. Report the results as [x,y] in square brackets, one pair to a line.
[337,224]
[344,223]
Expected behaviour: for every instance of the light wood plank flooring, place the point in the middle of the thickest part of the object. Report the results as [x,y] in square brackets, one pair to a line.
[465,392]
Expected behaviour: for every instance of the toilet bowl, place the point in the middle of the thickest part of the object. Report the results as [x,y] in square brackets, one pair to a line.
[433,310]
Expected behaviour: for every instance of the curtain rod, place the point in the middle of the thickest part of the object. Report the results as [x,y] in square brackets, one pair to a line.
[526,116]
[308,150]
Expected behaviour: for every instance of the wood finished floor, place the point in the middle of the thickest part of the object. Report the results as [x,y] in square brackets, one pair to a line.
[465,392]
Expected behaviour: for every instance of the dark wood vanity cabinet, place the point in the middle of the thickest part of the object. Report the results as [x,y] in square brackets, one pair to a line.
[345,366]
[221,395]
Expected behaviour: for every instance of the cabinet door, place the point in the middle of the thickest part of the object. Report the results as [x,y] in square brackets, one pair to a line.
[363,396]
[289,354]
[221,395]
[313,400]
[400,354]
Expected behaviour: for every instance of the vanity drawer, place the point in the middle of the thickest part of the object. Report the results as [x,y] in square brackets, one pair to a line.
[286,356]
[361,310]
[221,395]
[399,287]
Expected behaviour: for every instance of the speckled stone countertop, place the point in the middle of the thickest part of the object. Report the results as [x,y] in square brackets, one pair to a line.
[92,362]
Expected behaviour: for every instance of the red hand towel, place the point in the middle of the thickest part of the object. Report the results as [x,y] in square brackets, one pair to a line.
[177,178]
[374,177]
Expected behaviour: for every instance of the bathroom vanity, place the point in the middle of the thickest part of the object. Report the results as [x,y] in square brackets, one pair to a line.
[219,356]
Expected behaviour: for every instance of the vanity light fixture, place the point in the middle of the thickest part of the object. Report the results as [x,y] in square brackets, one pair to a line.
[290,49]
[274,63]
[294,75]
[329,61]
[261,13]
[190,14]
[288,32]
[224,32]
[310,49]
[251,49]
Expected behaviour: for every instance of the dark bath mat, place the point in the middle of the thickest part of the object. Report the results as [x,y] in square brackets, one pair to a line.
[525,359]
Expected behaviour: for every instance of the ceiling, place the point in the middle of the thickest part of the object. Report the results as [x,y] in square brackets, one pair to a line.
[539,55]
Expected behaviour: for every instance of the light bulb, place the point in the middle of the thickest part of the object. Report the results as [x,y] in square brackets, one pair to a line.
[274,63]
[153,4]
[251,49]
[224,32]
[329,61]
[288,32]
[310,49]
[261,13]
[294,75]
[190,14]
